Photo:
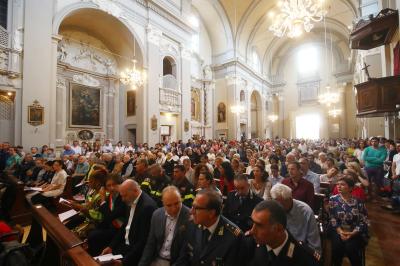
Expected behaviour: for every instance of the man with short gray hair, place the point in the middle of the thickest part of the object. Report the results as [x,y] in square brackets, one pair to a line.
[301,222]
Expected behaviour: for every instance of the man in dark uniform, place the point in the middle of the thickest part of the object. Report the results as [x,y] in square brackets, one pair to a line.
[211,238]
[154,185]
[185,187]
[240,203]
[141,170]
[274,246]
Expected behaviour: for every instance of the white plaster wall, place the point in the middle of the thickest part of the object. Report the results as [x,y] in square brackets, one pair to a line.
[37,69]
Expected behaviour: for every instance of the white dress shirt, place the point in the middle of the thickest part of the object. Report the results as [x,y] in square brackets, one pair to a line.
[277,250]
[170,224]
[131,214]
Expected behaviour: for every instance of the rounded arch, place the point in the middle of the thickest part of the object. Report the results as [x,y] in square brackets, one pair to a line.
[72,9]
[256,114]
[242,96]
[169,66]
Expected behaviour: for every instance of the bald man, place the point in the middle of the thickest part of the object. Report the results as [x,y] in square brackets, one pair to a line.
[168,225]
[132,236]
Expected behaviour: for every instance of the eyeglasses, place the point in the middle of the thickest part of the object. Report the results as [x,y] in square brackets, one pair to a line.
[196,208]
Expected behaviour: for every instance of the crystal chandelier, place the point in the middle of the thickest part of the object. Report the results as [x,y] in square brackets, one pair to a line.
[132,76]
[297,16]
[273,118]
[334,112]
[328,98]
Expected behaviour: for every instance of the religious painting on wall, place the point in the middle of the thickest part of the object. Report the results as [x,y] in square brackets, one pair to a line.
[35,114]
[84,106]
[221,113]
[130,103]
[195,105]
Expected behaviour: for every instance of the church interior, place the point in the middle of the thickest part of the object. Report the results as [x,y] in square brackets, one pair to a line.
[136,132]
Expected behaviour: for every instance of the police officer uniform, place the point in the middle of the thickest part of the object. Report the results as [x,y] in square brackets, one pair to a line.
[238,209]
[218,248]
[154,186]
[291,254]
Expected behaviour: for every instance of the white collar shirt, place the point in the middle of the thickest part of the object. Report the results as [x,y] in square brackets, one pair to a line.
[131,214]
[277,250]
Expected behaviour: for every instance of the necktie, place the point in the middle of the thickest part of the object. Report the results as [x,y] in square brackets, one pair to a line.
[204,237]
[271,255]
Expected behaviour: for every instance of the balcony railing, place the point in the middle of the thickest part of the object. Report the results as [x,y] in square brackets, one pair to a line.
[170,82]
[4,36]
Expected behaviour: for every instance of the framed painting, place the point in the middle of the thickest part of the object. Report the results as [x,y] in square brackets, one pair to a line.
[85,106]
[130,103]
[35,114]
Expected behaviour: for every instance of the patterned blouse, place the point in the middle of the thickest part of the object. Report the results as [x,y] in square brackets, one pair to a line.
[351,215]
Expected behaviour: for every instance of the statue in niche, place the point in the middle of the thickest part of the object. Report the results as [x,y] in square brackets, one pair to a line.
[221,113]
[207,72]
[62,51]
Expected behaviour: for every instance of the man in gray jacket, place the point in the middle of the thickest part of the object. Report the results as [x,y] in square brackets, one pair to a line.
[168,226]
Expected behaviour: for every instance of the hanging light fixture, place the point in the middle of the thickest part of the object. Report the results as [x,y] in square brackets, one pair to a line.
[334,112]
[273,118]
[132,76]
[328,98]
[296,17]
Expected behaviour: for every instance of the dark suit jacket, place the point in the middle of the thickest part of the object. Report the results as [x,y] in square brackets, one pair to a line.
[138,232]
[222,249]
[292,254]
[239,213]
[157,236]
[118,212]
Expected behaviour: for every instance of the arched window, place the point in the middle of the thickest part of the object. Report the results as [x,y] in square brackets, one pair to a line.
[307,60]
[255,61]
[169,73]
[169,66]
[242,96]
[3,13]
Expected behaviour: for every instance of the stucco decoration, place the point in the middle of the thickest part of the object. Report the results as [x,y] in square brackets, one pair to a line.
[86,80]
[207,72]
[75,51]
[109,6]
[153,35]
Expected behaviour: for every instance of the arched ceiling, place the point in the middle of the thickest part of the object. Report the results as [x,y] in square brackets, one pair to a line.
[245,23]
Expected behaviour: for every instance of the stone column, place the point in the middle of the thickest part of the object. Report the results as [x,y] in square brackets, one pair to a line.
[38,82]
[152,93]
[233,120]
[55,83]
[185,90]
[60,101]
[110,122]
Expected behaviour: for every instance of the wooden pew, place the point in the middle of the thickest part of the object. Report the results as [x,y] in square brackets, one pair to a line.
[20,212]
[62,247]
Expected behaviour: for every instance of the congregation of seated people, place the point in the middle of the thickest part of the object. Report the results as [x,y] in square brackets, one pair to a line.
[212,202]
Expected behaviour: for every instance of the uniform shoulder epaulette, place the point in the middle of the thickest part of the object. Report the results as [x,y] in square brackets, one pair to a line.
[233,229]
[315,254]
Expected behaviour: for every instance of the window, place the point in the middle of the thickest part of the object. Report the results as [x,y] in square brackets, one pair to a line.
[308,126]
[368,7]
[255,61]
[307,60]
[242,96]
[3,13]
[195,43]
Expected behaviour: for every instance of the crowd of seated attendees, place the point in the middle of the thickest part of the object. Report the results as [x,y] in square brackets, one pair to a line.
[349,172]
